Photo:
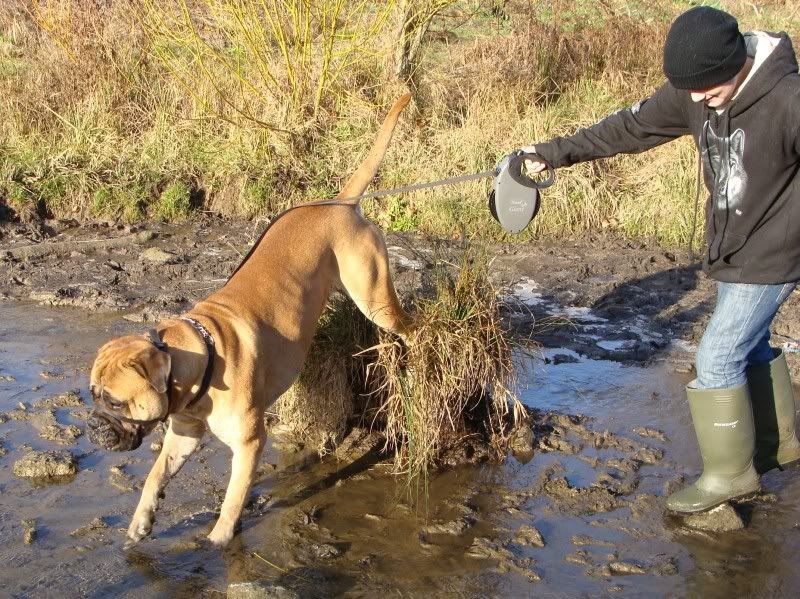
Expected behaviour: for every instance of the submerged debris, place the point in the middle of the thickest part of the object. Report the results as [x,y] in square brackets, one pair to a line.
[581,540]
[93,526]
[29,531]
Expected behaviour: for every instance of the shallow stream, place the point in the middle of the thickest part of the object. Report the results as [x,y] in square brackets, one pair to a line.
[324,528]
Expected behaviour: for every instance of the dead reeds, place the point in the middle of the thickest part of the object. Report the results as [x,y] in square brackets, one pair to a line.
[455,377]
[451,384]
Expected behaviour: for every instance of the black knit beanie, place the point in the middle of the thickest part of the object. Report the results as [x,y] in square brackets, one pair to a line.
[704,48]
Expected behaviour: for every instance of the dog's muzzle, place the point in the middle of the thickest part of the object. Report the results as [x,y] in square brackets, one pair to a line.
[109,433]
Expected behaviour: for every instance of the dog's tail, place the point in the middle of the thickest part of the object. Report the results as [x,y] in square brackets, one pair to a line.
[359,180]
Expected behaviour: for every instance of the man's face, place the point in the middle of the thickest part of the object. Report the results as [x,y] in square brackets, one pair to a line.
[717,96]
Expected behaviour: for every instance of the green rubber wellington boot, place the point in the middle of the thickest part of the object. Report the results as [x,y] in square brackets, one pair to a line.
[723,422]
[773,413]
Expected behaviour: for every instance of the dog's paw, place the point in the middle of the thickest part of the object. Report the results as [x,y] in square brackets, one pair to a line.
[139,528]
[220,536]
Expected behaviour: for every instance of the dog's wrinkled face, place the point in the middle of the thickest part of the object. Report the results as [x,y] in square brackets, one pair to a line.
[128,383]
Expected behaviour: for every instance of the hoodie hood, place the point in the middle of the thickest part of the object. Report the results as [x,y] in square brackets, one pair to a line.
[780,63]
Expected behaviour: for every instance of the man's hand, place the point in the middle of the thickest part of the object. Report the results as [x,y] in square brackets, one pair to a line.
[533,166]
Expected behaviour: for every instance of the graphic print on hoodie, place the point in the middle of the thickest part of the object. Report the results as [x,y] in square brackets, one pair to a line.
[730,178]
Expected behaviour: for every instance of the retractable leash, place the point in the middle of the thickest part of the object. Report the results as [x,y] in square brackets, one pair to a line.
[513,200]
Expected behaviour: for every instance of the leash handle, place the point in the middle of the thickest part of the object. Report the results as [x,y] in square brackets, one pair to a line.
[515,170]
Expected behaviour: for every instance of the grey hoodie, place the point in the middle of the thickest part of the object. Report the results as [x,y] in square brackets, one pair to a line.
[751,159]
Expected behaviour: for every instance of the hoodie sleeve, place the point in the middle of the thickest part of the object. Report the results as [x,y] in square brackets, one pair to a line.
[656,120]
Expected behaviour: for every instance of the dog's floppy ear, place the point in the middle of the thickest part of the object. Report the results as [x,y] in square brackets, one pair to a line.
[154,366]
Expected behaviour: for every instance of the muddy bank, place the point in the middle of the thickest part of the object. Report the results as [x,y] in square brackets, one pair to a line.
[601,296]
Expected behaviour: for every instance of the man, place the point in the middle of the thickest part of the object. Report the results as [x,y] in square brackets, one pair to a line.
[739,97]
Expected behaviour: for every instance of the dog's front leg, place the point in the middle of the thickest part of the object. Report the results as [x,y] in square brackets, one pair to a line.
[245,460]
[182,438]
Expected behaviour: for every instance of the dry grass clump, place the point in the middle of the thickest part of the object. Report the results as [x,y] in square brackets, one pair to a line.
[454,379]
[446,397]
[319,405]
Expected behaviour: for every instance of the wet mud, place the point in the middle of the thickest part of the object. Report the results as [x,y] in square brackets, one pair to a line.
[576,509]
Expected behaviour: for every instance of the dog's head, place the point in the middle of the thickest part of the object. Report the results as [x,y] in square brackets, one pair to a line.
[129,384]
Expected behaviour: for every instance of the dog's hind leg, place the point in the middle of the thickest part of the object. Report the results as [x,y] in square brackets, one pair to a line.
[246,453]
[182,438]
[364,273]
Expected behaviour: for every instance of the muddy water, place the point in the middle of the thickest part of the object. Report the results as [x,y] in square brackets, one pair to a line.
[325,528]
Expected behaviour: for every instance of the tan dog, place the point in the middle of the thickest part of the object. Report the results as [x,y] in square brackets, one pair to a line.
[262,323]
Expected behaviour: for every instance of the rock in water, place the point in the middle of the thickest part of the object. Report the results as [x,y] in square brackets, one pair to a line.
[529,535]
[46,464]
[255,590]
[722,518]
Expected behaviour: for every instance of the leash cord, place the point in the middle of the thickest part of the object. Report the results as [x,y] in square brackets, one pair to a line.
[416,186]
[690,252]
[366,196]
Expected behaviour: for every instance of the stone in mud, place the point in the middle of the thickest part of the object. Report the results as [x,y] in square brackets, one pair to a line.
[70,399]
[722,518]
[623,484]
[258,590]
[325,550]
[667,568]
[521,440]
[600,572]
[453,528]
[85,297]
[555,443]
[65,435]
[623,465]
[29,533]
[582,540]
[621,568]
[93,526]
[485,548]
[588,500]
[158,256]
[652,433]
[145,236]
[46,464]
[649,455]
[2,450]
[529,535]
[50,374]
[564,359]
[580,557]
[121,480]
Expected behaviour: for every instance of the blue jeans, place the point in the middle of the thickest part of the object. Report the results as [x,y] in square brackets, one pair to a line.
[737,336]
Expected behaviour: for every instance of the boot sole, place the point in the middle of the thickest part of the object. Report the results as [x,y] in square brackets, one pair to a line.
[743,497]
